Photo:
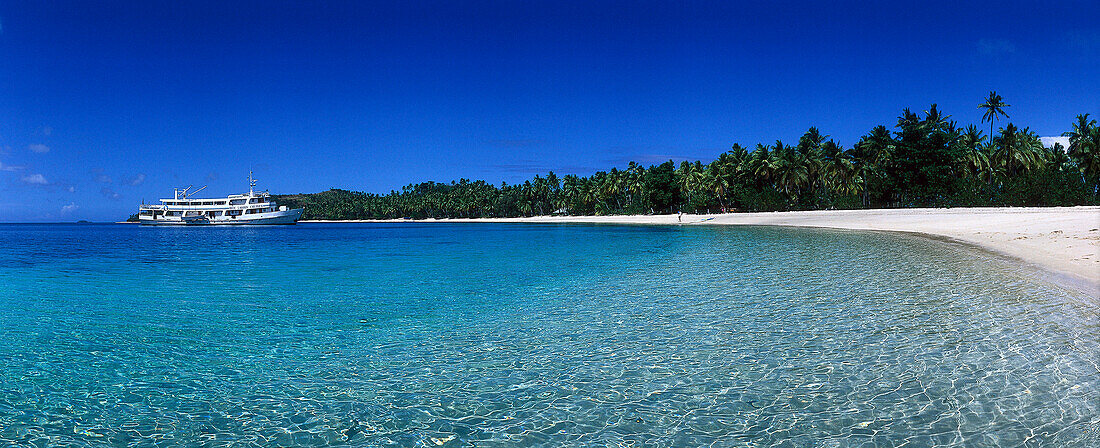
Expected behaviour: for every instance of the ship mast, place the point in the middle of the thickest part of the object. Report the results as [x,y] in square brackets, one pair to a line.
[251,183]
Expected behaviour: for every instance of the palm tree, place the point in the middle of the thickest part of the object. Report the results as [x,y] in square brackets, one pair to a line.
[976,160]
[1017,150]
[739,159]
[812,139]
[971,138]
[936,120]
[994,105]
[591,194]
[791,172]
[717,184]
[611,185]
[809,150]
[1056,158]
[837,168]
[635,183]
[1080,133]
[1084,147]
[978,163]
[915,163]
[683,179]
[871,156]
[724,166]
[696,179]
[570,193]
[761,164]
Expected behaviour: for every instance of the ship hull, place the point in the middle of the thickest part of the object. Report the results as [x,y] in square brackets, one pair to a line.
[282,217]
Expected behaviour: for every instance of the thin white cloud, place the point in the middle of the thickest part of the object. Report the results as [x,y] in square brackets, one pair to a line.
[10,167]
[46,130]
[103,179]
[35,179]
[70,189]
[1050,141]
[109,193]
[39,148]
[137,180]
[69,208]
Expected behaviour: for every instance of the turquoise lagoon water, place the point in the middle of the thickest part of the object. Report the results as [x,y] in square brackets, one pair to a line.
[521,335]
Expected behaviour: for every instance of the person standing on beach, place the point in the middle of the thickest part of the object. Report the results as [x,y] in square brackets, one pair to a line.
[679,216]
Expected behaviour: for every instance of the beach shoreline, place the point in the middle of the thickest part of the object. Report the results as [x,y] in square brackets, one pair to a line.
[1063,241]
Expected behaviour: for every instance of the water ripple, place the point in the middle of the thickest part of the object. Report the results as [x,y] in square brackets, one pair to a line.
[491,335]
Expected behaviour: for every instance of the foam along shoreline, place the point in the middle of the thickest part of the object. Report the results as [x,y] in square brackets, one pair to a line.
[1062,240]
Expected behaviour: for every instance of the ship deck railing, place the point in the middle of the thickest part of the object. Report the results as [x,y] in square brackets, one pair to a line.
[204,207]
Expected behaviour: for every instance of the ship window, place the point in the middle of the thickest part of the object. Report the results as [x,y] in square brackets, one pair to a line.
[219,202]
[172,214]
[146,212]
[237,202]
[232,212]
[207,203]
[255,201]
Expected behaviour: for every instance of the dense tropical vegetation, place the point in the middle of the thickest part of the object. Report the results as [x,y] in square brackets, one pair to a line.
[924,160]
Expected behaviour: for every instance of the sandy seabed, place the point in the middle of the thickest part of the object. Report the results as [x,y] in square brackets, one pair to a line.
[1060,240]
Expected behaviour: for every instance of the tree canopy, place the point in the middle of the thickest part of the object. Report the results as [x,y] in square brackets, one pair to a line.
[924,160]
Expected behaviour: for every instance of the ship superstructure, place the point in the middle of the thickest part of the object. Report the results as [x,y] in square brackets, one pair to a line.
[252,208]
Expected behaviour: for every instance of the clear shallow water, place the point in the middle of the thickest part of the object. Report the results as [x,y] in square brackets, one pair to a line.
[519,335]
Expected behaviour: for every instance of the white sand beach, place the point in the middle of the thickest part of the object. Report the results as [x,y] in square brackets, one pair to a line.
[1061,240]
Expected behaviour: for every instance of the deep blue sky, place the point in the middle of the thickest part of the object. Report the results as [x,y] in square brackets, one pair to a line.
[104,103]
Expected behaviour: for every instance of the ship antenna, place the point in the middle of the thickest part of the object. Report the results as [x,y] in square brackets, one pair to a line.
[251,182]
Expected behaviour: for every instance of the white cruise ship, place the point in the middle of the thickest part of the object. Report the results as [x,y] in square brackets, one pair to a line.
[252,208]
